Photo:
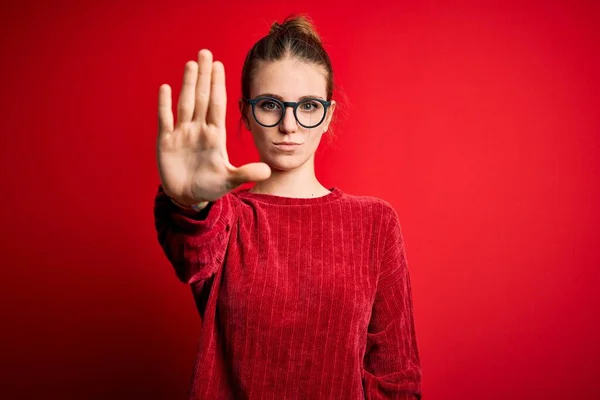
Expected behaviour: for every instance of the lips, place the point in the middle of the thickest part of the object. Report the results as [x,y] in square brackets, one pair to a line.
[287,146]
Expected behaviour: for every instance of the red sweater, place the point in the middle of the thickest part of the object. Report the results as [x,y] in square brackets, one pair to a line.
[298,298]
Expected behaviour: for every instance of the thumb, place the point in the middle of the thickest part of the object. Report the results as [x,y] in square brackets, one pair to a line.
[252,172]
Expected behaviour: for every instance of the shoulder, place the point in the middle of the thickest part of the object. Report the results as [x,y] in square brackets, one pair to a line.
[376,206]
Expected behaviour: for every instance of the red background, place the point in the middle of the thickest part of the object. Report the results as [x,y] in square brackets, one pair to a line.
[480,124]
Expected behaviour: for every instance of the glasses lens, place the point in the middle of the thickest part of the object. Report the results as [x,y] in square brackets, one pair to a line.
[310,113]
[268,112]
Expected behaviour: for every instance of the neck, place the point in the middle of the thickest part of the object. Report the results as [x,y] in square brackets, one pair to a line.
[300,182]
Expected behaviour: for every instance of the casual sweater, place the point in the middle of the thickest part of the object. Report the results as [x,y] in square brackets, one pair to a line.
[299,298]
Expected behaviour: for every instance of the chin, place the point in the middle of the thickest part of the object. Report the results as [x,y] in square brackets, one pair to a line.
[284,162]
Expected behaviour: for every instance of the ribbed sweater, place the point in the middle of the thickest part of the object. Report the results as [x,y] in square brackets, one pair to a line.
[298,298]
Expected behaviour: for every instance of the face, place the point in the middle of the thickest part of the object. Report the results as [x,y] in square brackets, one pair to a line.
[289,80]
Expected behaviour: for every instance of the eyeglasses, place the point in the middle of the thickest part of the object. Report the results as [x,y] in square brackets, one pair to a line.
[269,111]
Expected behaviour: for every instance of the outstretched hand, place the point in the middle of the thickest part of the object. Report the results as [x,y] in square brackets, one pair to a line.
[192,154]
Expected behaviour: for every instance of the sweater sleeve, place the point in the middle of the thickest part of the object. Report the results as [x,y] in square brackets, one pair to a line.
[194,245]
[392,368]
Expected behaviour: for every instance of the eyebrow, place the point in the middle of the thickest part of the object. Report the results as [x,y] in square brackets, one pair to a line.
[281,98]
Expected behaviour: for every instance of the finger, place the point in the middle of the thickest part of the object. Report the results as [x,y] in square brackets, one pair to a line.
[165,110]
[252,172]
[218,97]
[185,107]
[205,62]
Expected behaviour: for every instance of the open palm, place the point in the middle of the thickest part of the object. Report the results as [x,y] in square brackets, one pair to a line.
[192,155]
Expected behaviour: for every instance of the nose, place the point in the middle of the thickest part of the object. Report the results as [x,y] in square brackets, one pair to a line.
[288,122]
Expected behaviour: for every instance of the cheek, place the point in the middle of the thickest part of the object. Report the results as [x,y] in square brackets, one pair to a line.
[259,135]
[315,138]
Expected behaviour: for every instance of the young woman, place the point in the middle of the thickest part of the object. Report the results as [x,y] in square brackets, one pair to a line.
[303,291]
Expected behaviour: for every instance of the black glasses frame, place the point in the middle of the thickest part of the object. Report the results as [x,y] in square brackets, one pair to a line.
[284,105]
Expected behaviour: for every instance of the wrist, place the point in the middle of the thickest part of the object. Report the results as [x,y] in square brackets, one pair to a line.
[192,207]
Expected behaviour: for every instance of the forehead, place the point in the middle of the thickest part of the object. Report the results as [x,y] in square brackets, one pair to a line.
[290,78]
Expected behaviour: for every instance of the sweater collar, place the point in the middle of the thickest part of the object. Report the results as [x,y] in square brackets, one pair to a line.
[334,194]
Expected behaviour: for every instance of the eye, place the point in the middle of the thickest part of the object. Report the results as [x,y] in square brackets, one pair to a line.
[310,105]
[269,105]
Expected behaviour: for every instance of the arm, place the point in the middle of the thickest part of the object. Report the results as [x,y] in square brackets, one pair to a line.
[194,243]
[392,367]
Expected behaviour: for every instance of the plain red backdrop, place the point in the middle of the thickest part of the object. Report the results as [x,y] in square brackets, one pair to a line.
[478,123]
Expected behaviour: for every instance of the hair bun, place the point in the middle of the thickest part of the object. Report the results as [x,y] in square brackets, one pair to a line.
[299,25]
[276,27]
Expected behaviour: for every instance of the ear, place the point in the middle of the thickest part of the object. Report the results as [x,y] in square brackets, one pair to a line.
[330,111]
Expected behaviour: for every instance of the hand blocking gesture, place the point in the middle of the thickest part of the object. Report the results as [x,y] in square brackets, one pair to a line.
[192,154]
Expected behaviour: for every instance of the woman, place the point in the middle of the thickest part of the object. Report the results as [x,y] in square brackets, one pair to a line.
[303,291]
